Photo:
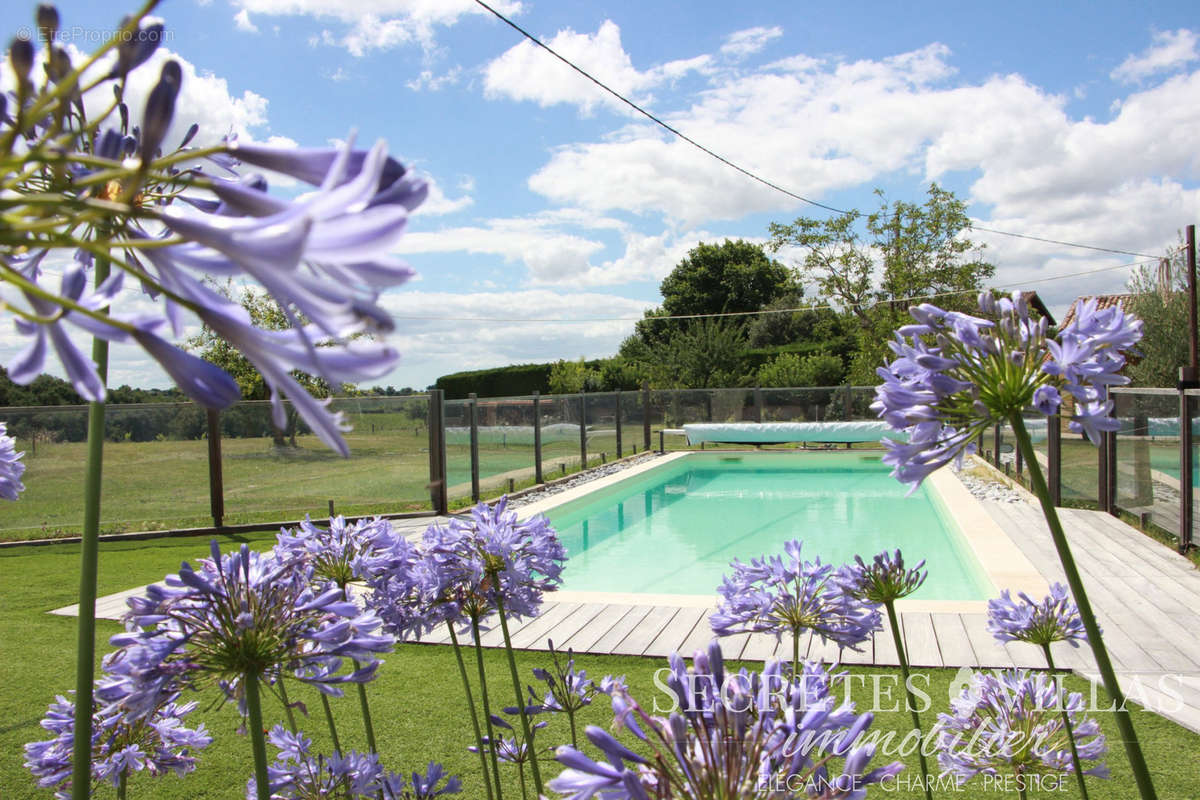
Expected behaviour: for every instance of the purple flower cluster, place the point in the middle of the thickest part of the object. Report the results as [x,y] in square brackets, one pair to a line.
[242,613]
[1054,619]
[11,468]
[168,225]
[344,552]
[884,580]
[299,774]
[1013,723]
[157,743]
[736,735]
[788,595]
[468,570]
[510,749]
[956,374]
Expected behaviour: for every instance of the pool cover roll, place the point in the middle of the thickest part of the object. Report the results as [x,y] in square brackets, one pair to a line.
[775,432]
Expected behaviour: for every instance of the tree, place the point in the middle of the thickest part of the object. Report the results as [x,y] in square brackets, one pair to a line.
[266,314]
[1160,300]
[705,354]
[573,377]
[735,275]
[917,251]
[788,370]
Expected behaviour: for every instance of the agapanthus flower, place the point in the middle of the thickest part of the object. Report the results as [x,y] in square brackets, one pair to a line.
[510,749]
[955,375]
[157,743]
[787,594]
[11,468]
[884,580]
[1054,619]
[237,614]
[297,774]
[101,187]
[744,735]
[470,568]
[1012,723]
[342,553]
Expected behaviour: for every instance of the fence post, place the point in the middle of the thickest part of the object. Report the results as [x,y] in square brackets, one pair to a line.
[438,490]
[617,416]
[1185,472]
[847,404]
[645,415]
[216,485]
[537,437]
[1110,447]
[1102,474]
[758,404]
[474,423]
[1054,457]
[582,431]
[996,445]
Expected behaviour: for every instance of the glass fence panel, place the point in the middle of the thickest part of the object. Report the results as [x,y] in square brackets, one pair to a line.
[457,415]
[561,415]
[282,473]
[1148,466]
[601,425]
[633,412]
[1193,415]
[505,443]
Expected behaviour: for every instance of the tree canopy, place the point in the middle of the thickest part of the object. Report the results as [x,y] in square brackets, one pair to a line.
[910,251]
[1160,300]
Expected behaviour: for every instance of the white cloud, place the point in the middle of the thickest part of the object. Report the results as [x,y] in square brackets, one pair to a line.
[1169,50]
[241,21]
[368,25]
[558,247]
[458,340]
[427,81]
[740,44]
[437,203]
[527,72]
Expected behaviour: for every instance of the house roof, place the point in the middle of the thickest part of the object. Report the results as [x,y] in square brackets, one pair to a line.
[1103,301]
[1036,303]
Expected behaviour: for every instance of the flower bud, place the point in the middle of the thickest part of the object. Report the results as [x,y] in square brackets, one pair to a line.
[191,134]
[20,55]
[160,109]
[47,21]
[59,64]
[133,50]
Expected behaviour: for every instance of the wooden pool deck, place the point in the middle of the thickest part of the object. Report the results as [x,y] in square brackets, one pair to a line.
[1145,595]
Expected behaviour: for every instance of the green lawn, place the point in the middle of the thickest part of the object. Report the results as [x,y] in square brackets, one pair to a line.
[416,700]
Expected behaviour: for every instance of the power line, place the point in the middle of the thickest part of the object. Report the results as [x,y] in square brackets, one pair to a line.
[761,312]
[648,115]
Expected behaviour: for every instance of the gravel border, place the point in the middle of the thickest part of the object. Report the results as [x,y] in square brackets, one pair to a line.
[541,492]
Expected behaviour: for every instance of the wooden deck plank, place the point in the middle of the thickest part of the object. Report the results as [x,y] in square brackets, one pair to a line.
[674,635]
[761,647]
[597,626]
[920,643]
[952,641]
[527,631]
[563,629]
[988,652]
[607,642]
[884,647]
[701,635]
[646,631]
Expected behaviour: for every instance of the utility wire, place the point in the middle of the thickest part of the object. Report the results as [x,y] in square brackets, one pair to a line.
[753,176]
[762,312]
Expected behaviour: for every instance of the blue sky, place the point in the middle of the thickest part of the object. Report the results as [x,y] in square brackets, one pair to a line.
[1071,121]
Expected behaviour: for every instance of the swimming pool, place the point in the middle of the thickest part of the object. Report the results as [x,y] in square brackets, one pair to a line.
[674,528]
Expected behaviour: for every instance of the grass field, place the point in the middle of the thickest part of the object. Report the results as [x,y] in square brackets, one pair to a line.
[416,700]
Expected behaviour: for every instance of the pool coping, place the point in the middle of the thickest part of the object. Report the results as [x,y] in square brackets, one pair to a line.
[1004,564]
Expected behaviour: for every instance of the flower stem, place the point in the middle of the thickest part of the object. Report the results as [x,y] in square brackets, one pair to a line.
[462,671]
[333,734]
[571,719]
[121,782]
[1070,732]
[512,668]
[1108,675]
[258,743]
[1133,750]
[521,772]
[287,706]
[795,652]
[487,709]
[366,713]
[894,620]
[89,556]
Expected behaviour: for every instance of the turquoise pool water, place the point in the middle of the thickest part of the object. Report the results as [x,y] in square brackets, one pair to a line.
[674,529]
